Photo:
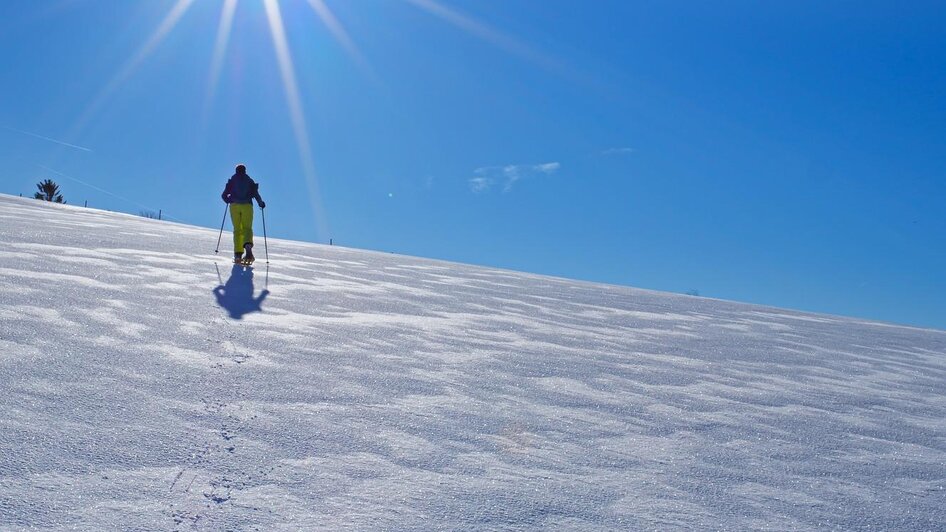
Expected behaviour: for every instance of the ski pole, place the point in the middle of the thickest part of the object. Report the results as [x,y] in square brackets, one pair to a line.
[262,211]
[225,210]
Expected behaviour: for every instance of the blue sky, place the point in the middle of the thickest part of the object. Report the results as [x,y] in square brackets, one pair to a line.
[784,153]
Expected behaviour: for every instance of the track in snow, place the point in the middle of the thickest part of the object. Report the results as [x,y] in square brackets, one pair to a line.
[144,385]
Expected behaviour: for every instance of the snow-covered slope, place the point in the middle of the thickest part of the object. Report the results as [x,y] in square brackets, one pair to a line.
[146,385]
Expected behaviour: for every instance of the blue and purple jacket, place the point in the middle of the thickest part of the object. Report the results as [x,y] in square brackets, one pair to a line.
[241,189]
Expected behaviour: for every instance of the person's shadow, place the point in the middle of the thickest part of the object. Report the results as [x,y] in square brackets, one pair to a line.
[237,295]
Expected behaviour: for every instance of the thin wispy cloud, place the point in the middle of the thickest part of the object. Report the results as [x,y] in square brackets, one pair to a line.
[49,139]
[481,184]
[617,151]
[489,176]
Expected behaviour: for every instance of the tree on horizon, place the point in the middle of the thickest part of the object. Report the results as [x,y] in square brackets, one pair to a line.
[48,191]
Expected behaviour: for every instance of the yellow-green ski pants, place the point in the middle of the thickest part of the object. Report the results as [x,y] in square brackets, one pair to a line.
[242,216]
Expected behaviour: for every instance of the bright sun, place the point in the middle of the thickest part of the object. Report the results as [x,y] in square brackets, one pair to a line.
[287,66]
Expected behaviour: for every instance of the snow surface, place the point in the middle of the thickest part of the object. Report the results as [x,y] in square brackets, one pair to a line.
[146,384]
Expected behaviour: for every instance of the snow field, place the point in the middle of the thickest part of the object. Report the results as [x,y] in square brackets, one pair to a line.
[146,384]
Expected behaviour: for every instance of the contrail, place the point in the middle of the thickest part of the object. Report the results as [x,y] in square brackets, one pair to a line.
[102,190]
[46,138]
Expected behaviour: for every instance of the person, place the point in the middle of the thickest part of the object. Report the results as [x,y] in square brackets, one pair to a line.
[239,193]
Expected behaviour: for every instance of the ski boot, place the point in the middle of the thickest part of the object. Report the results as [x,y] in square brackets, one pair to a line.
[248,257]
[237,257]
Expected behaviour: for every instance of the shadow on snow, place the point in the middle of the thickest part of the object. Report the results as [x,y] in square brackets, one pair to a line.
[236,296]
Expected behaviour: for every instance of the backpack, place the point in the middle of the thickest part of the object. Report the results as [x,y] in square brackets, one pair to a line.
[243,189]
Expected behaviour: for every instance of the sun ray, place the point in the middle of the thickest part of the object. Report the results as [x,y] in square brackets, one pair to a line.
[296,113]
[488,34]
[220,50]
[338,31]
[162,31]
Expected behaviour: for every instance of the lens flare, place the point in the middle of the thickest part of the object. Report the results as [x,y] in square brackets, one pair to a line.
[168,24]
[488,34]
[220,50]
[296,113]
[287,69]
[338,31]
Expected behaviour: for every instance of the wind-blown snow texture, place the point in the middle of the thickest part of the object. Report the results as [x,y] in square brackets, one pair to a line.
[146,385]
